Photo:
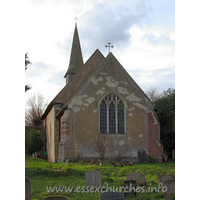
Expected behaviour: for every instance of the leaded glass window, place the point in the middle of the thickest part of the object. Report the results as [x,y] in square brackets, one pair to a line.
[112,118]
[120,116]
[112,115]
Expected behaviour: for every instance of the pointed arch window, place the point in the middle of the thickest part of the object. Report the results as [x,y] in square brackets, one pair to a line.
[112,115]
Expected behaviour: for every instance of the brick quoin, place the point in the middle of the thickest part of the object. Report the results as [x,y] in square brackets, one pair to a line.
[154,146]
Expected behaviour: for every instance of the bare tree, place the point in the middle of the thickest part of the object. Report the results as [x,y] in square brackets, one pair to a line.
[152,93]
[101,145]
[33,114]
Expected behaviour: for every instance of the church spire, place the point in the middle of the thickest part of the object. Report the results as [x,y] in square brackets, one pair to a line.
[76,58]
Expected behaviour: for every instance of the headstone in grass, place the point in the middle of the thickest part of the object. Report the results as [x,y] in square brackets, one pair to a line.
[55,198]
[112,196]
[139,178]
[130,188]
[142,156]
[163,177]
[169,186]
[67,162]
[27,189]
[93,179]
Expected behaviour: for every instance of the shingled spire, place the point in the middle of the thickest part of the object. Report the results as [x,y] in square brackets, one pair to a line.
[76,58]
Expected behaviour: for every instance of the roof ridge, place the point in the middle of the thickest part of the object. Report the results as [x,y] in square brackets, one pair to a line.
[70,82]
[80,74]
[62,110]
[110,54]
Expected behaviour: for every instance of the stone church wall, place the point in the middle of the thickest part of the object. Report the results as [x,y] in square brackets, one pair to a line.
[80,132]
[86,111]
[66,144]
[57,134]
[52,134]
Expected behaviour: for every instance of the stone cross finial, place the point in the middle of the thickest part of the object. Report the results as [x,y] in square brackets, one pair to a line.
[109,46]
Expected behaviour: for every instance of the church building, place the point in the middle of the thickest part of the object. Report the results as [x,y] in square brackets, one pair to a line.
[101,112]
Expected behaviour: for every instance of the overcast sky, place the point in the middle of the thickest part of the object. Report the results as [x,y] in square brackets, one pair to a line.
[142,32]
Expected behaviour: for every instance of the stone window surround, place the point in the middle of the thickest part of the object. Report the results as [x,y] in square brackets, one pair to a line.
[125,108]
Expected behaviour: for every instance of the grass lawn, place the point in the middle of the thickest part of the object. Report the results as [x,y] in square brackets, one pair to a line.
[44,174]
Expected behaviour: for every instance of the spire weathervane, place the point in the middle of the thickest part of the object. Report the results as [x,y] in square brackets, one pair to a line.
[109,46]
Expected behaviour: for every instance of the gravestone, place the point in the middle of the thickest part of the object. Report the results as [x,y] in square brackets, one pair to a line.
[170,184]
[67,162]
[142,156]
[139,178]
[130,188]
[163,177]
[93,178]
[27,189]
[165,157]
[55,198]
[112,196]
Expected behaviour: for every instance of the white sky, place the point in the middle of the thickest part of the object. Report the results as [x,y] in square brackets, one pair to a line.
[142,32]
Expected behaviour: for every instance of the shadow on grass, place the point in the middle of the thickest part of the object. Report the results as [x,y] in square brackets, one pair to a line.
[39,172]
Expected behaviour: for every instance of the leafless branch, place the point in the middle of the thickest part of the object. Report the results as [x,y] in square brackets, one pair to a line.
[33,114]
